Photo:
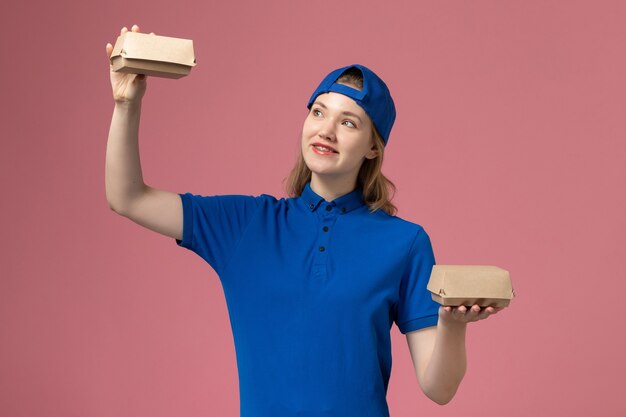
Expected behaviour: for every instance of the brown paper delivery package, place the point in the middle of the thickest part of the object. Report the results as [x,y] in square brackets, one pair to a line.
[456,285]
[158,56]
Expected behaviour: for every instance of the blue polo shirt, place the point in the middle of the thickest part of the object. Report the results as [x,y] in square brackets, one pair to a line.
[312,289]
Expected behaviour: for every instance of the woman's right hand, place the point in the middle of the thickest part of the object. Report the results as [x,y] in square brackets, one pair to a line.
[127,88]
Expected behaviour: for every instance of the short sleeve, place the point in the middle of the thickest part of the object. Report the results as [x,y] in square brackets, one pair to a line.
[213,225]
[415,308]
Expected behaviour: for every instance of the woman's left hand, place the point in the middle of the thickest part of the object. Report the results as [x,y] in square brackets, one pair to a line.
[462,314]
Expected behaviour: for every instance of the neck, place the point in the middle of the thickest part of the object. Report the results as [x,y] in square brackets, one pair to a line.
[331,188]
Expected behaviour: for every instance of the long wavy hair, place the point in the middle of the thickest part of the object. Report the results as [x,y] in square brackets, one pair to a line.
[378,190]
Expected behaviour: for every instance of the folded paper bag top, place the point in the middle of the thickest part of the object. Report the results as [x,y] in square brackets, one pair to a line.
[159,56]
[485,285]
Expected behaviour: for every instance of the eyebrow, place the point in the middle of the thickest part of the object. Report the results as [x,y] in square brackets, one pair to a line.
[347,113]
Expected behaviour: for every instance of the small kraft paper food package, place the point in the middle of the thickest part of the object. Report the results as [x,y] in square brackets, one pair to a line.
[456,285]
[158,56]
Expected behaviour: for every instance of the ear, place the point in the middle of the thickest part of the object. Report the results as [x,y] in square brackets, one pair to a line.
[373,153]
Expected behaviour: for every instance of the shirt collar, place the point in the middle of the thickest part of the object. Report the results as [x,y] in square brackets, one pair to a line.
[345,203]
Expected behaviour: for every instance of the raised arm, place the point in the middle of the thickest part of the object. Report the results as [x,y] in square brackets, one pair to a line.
[126,191]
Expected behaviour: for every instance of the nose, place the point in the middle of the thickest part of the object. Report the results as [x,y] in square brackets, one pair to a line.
[327,130]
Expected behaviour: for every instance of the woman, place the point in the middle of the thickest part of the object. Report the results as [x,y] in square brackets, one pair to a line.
[314,282]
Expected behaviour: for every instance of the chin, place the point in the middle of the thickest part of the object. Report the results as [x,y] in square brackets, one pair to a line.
[325,172]
[318,170]
[319,167]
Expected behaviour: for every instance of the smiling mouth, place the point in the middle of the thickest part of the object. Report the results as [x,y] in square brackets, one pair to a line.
[323,149]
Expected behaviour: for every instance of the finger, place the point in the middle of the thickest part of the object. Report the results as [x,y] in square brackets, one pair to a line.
[135,28]
[124,30]
[494,310]
[459,312]
[109,49]
[448,308]
[472,313]
[483,315]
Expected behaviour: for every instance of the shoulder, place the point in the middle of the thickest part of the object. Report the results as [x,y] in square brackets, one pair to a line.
[395,222]
[273,205]
[225,203]
[246,199]
[269,200]
[400,236]
[420,240]
[233,197]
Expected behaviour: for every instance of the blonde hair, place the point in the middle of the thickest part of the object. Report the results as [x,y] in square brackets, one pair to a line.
[378,190]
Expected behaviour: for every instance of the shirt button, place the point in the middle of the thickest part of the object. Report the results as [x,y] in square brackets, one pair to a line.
[311,206]
[328,208]
[343,209]
[325,228]
[322,249]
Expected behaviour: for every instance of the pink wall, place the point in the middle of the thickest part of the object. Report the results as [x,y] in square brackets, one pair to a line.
[509,148]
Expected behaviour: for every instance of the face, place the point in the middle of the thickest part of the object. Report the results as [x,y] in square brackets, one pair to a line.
[337,137]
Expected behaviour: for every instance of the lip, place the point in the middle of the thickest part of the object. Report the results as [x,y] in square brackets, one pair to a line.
[313,145]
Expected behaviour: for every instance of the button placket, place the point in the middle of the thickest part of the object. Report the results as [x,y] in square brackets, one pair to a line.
[328,216]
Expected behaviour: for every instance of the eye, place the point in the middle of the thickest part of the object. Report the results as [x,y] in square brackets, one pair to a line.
[351,123]
[316,112]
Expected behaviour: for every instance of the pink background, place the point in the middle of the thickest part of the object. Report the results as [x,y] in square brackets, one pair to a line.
[509,148]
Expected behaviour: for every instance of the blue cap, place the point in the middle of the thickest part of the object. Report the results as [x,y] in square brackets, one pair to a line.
[375,98]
